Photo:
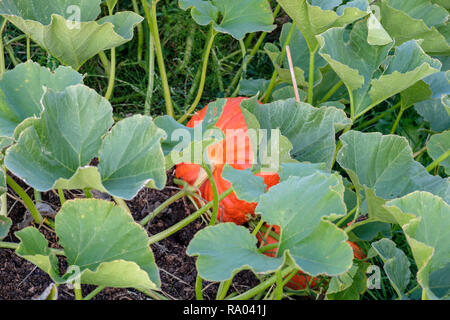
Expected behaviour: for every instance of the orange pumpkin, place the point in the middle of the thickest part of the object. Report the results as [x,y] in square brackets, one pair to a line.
[235,150]
[301,281]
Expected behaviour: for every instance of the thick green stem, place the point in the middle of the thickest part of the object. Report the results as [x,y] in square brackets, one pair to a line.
[14,246]
[397,120]
[198,287]
[279,288]
[2,51]
[381,116]
[140,32]
[188,48]
[87,193]
[62,198]
[153,26]
[112,70]
[121,203]
[436,162]
[258,226]
[212,182]
[312,55]
[105,62]
[4,205]
[331,92]
[164,205]
[206,53]
[94,292]
[26,199]
[151,75]
[180,225]
[262,286]
[223,289]
[273,80]
[78,294]
[112,75]
[28,48]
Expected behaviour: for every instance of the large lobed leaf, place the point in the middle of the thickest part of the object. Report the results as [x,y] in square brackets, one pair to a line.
[423,19]
[234,17]
[55,150]
[21,90]
[310,130]
[313,17]
[386,165]
[425,220]
[301,207]
[358,65]
[67,28]
[100,239]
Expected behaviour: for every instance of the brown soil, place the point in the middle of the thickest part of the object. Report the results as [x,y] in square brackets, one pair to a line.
[21,280]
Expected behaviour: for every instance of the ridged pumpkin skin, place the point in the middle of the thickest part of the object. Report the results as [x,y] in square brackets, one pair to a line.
[231,209]
[301,281]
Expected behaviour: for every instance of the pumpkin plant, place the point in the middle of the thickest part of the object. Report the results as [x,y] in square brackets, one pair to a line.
[332,164]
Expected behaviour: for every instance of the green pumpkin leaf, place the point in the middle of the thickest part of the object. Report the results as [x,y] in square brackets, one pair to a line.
[434,110]
[302,169]
[101,241]
[246,185]
[358,65]
[300,206]
[425,220]
[437,146]
[34,248]
[385,165]
[106,244]
[21,90]
[424,20]
[234,17]
[67,28]
[350,285]
[315,17]
[310,130]
[65,138]
[71,132]
[131,157]
[225,249]
[396,265]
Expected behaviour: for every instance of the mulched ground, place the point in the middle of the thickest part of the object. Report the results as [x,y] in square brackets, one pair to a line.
[21,280]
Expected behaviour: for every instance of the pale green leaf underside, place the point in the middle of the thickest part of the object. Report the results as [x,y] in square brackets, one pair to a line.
[70,33]
[227,248]
[237,17]
[21,90]
[425,219]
